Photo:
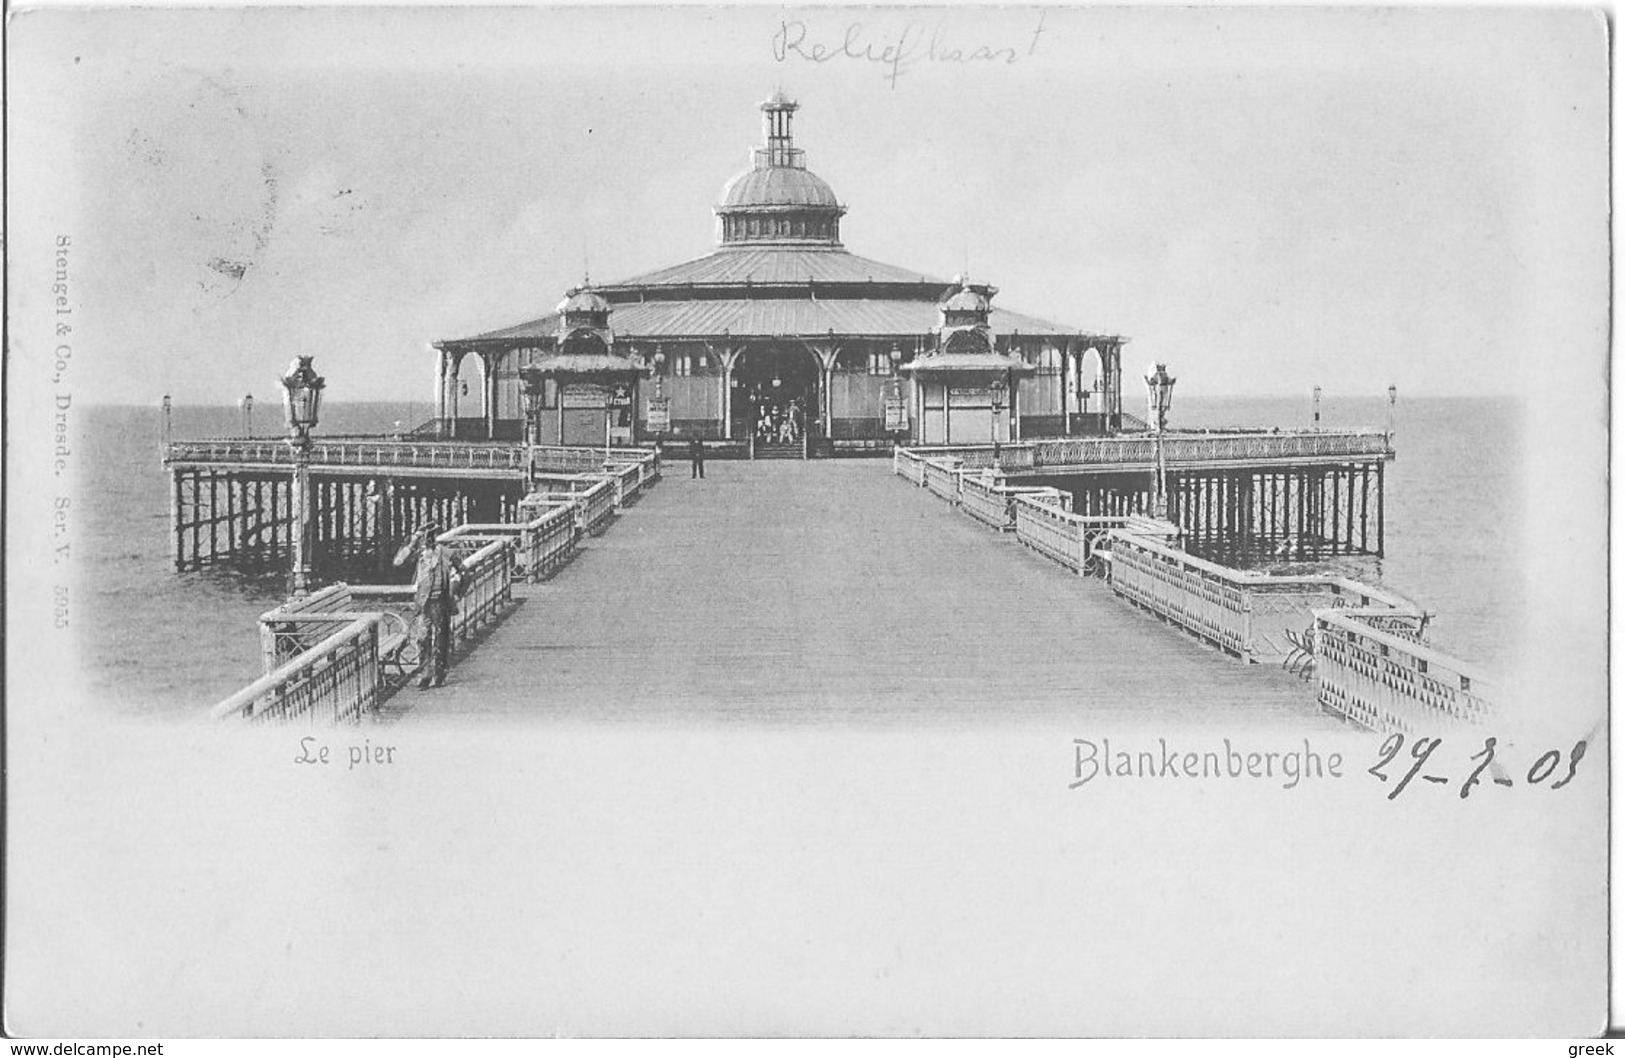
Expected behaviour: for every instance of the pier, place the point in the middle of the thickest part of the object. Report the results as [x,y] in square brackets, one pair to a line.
[802,592]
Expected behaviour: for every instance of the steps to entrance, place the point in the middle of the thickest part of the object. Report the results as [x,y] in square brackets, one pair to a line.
[775,450]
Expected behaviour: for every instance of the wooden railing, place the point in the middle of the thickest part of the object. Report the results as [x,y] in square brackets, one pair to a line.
[336,681]
[906,463]
[987,498]
[1390,682]
[942,477]
[1367,645]
[1072,540]
[1255,616]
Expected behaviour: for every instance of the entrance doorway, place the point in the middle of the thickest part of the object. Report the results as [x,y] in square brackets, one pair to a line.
[775,396]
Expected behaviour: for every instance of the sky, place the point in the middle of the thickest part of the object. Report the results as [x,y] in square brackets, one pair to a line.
[1266,200]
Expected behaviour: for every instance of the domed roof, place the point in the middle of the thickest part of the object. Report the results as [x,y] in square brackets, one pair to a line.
[581,300]
[777,186]
[966,300]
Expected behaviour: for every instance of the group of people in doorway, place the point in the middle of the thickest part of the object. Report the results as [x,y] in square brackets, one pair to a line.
[782,423]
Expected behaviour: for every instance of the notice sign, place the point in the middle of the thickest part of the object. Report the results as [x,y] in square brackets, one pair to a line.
[585,395]
[659,418]
[896,410]
[969,395]
[620,395]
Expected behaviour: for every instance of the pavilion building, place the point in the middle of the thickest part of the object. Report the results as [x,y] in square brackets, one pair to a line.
[781,322]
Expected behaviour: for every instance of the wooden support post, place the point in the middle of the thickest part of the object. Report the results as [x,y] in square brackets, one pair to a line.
[1381,506]
[1348,512]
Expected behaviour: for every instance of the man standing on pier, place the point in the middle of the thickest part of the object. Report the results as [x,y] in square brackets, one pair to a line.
[437,571]
[696,459]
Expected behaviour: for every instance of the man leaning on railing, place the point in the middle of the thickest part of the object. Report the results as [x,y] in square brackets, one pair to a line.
[438,579]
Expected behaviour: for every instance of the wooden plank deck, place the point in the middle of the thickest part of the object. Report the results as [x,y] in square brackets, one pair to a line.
[835,592]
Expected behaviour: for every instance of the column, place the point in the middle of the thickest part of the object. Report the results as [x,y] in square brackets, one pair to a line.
[490,397]
[727,397]
[440,392]
[826,371]
[454,404]
[1068,381]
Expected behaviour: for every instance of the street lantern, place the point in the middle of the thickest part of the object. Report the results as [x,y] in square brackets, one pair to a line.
[997,391]
[1316,398]
[1393,395]
[896,357]
[303,400]
[530,383]
[1159,385]
[660,372]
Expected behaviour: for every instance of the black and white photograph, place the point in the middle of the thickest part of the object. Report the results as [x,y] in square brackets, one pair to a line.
[639,521]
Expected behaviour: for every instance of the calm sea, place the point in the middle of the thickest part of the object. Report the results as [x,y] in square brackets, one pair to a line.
[157,642]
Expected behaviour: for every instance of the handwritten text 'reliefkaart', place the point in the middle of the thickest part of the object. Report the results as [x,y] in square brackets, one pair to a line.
[896,53]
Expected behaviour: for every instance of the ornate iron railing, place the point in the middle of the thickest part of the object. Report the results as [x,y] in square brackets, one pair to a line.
[1390,682]
[337,681]
[1139,450]
[593,503]
[1252,615]
[380,454]
[546,535]
[488,577]
[334,654]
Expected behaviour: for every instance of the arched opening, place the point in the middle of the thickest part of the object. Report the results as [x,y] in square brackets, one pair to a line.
[465,401]
[776,397]
[1088,378]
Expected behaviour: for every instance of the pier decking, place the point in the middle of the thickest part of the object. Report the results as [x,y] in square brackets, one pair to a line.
[812,593]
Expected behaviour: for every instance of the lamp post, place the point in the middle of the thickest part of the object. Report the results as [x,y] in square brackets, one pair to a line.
[530,383]
[1393,395]
[997,391]
[1315,393]
[302,401]
[896,384]
[248,415]
[167,423]
[660,394]
[1159,385]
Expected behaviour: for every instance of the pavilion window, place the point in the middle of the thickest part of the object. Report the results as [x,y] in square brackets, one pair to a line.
[550,393]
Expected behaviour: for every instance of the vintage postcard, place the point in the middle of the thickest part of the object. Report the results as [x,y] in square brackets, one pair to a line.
[884,521]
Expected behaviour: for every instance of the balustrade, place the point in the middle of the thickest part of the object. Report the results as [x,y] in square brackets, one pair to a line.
[335,681]
[1072,540]
[1389,681]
